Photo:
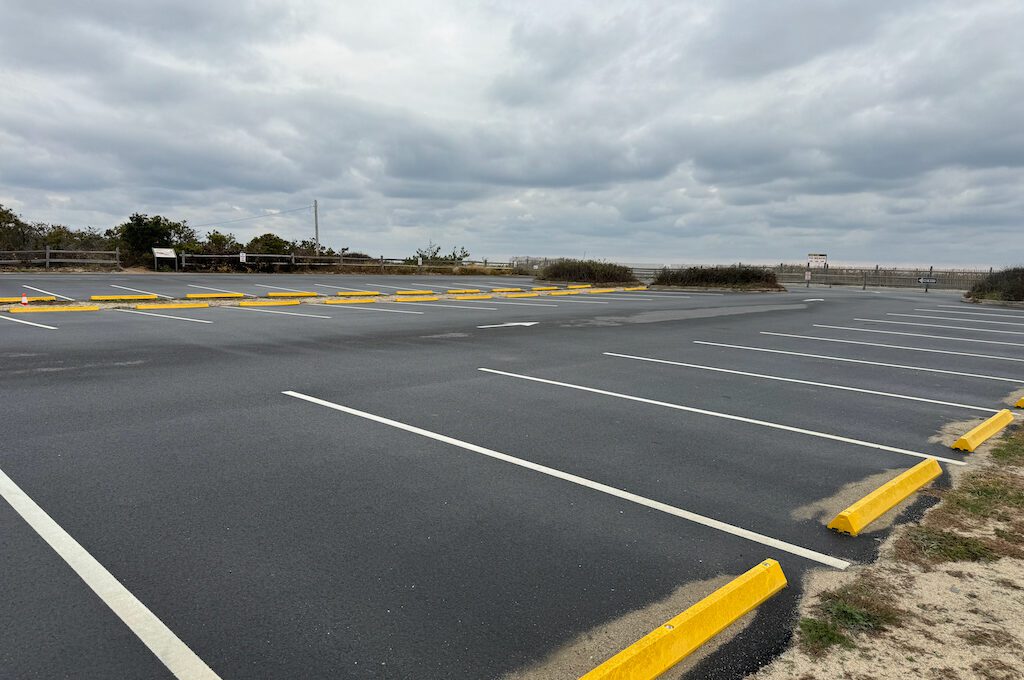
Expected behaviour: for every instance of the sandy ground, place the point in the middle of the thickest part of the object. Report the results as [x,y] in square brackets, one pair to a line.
[964,619]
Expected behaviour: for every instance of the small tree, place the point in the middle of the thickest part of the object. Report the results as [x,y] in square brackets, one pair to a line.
[142,232]
[269,244]
[220,244]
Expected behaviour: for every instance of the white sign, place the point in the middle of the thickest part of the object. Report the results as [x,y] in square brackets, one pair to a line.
[241,258]
[817,259]
[807,275]
[164,252]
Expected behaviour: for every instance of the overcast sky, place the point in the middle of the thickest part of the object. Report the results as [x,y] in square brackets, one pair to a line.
[753,130]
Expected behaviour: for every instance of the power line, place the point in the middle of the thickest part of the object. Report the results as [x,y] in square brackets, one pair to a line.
[254,217]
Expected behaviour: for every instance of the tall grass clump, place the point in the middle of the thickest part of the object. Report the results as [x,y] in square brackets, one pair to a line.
[718,277]
[1007,285]
[587,271]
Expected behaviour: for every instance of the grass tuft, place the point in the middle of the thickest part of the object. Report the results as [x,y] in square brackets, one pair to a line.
[1010,451]
[927,546]
[587,271]
[1007,285]
[817,636]
[722,277]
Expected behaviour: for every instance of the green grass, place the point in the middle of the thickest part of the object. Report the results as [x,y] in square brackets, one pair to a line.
[718,277]
[928,545]
[1010,451]
[860,606]
[817,636]
[988,494]
[1006,285]
[587,271]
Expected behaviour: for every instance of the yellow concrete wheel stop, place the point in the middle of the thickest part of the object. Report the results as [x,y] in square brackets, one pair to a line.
[853,519]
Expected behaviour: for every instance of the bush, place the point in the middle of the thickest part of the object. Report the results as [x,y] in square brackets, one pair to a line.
[719,277]
[1005,285]
[587,271]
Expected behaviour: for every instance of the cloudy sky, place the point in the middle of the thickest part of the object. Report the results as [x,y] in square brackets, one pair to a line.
[737,130]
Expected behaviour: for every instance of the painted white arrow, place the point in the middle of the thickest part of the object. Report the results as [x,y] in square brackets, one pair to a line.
[512,323]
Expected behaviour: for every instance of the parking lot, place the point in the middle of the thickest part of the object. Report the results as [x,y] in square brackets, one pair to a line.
[421,490]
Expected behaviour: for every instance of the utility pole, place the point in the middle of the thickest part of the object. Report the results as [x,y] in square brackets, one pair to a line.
[316,226]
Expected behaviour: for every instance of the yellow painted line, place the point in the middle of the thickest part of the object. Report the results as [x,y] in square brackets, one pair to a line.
[31,299]
[1020,403]
[414,292]
[350,301]
[634,288]
[269,303]
[109,298]
[990,427]
[506,290]
[579,285]
[853,519]
[200,296]
[462,291]
[176,305]
[565,292]
[677,638]
[293,294]
[544,288]
[474,297]
[25,310]
[359,293]
[522,295]
[417,298]
[595,291]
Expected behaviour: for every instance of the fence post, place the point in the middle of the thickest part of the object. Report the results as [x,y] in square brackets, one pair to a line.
[865,286]
[47,257]
[117,256]
[381,264]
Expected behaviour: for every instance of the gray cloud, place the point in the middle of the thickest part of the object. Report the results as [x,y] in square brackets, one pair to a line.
[738,131]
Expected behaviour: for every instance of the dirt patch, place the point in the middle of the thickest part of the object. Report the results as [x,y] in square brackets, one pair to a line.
[591,648]
[946,597]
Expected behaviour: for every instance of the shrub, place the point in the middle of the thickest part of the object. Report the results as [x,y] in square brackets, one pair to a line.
[587,271]
[721,277]
[1007,284]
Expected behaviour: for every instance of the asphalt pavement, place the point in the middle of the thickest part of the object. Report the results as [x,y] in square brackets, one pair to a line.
[345,493]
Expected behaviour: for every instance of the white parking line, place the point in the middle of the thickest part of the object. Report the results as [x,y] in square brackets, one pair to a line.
[46,292]
[950,311]
[437,304]
[918,335]
[162,316]
[726,416]
[935,325]
[1019,381]
[523,304]
[271,311]
[181,661]
[292,290]
[145,292]
[358,290]
[990,311]
[623,297]
[361,308]
[953,318]
[27,323]
[562,298]
[878,344]
[220,290]
[381,285]
[804,382]
[590,484]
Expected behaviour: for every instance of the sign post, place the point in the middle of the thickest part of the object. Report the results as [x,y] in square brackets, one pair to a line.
[807,278]
[164,253]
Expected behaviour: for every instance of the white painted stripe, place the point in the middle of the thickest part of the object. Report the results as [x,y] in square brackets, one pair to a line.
[727,416]
[919,335]
[162,316]
[381,285]
[953,318]
[993,310]
[878,344]
[274,311]
[804,382]
[27,323]
[950,311]
[358,290]
[935,325]
[521,304]
[361,308]
[862,361]
[146,292]
[46,292]
[590,484]
[605,296]
[181,661]
[220,290]
[437,304]
[566,298]
[292,290]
